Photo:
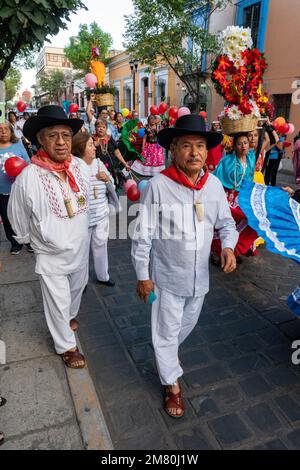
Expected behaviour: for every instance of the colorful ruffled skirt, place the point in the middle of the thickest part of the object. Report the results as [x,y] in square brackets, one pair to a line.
[154,160]
[275,216]
[246,245]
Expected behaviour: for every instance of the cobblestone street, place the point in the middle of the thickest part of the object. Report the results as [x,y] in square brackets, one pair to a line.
[241,388]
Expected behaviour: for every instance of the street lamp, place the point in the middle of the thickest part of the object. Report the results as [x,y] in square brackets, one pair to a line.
[133,67]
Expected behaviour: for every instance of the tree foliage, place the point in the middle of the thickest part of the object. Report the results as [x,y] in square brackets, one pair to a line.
[53,83]
[12,82]
[173,32]
[26,24]
[79,50]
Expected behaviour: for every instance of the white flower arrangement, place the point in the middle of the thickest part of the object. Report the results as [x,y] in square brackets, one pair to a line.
[233,41]
[255,111]
[233,113]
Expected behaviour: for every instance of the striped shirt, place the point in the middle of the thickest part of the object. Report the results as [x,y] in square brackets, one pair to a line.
[98,193]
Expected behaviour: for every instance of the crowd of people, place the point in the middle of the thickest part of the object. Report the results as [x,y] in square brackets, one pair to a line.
[59,207]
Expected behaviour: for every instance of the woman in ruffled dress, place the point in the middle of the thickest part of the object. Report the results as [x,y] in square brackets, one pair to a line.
[152,152]
[232,170]
[107,151]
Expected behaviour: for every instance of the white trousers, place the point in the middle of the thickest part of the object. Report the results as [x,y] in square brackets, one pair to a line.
[61,299]
[172,320]
[98,240]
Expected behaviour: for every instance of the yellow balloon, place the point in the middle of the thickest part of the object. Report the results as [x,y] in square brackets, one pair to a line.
[125,112]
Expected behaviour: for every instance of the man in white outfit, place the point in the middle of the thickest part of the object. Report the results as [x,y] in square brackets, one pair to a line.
[180,209]
[48,208]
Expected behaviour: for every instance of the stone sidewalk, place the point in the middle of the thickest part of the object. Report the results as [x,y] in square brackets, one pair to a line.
[240,386]
[48,406]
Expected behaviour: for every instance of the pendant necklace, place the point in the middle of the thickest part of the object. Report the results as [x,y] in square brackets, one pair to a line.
[244,166]
[68,201]
[199,208]
[66,192]
[104,146]
[96,192]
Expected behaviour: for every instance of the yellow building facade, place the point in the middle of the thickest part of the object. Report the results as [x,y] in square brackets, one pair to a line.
[143,88]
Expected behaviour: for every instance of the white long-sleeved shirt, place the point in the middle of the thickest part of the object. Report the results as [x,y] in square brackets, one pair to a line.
[180,263]
[38,215]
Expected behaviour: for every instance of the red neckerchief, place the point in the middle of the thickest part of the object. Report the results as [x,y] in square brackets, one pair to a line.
[180,177]
[105,139]
[42,159]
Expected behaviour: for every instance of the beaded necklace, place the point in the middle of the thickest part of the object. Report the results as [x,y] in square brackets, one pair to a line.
[244,166]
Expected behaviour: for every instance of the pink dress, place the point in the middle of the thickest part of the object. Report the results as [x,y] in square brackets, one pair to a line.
[154,156]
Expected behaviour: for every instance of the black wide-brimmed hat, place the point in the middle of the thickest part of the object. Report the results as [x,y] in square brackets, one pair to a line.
[190,124]
[48,116]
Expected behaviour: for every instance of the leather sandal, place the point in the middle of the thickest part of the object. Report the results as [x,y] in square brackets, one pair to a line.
[74,324]
[71,357]
[2,401]
[174,400]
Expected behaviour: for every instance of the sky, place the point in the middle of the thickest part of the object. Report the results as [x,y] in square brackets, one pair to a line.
[109,14]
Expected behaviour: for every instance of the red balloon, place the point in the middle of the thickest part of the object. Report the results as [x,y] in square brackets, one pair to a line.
[14,166]
[276,126]
[154,110]
[133,193]
[73,108]
[129,116]
[173,112]
[284,128]
[172,121]
[203,114]
[162,108]
[21,106]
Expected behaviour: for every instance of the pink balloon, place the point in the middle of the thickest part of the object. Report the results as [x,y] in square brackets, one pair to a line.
[91,80]
[291,129]
[183,111]
[128,184]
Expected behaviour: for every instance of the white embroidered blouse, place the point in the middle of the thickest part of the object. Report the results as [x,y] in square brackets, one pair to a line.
[38,215]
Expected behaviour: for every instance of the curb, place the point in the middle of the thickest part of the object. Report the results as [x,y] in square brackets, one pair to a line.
[95,433]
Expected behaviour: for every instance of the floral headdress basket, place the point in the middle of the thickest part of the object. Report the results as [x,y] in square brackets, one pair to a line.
[238,77]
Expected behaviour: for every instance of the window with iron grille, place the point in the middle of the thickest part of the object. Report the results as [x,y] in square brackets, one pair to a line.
[251,20]
[254,14]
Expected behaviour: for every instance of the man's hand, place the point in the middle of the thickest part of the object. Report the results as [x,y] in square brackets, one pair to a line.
[288,190]
[144,288]
[228,261]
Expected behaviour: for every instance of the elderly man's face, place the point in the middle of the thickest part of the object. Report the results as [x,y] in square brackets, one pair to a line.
[189,153]
[57,142]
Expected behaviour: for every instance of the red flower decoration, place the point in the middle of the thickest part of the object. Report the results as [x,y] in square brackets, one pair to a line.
[238,85]
[225,63]
[245,107]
